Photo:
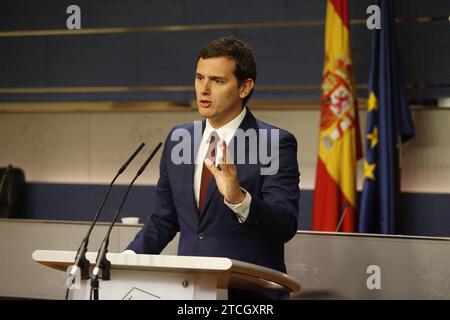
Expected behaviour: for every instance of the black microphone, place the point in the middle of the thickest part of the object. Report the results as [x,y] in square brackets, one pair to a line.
[346,205]
[80,260]
[102,262]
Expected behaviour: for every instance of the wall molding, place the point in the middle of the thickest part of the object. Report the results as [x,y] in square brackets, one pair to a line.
[201,27]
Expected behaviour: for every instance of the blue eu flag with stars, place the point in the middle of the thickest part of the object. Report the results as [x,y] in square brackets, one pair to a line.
[388,124]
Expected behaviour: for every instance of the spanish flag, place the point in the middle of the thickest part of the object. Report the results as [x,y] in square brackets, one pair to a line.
[339,141]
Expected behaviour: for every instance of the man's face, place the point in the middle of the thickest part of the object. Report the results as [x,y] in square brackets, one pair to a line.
[219,98]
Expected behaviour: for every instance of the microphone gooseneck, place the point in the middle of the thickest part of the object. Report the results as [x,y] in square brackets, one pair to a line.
[80,259]
[102,262]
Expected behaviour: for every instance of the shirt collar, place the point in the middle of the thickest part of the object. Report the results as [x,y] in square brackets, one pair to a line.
[227,131]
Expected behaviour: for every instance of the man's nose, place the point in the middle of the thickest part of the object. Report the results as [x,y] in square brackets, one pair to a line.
[206,87]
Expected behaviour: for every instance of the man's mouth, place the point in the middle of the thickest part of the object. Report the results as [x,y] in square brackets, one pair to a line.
[205,103]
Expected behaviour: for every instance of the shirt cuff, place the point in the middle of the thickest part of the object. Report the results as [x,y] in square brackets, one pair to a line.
[128,251]
[241,209]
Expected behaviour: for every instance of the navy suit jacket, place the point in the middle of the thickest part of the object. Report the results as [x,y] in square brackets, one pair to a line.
[272,218]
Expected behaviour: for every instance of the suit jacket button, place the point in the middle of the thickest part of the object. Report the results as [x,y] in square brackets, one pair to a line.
[201,236]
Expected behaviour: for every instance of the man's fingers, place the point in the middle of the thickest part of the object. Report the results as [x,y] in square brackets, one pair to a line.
[224,152]
[226,159]
[223,158]
[211,167]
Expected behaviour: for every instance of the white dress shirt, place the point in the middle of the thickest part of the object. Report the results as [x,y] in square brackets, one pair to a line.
[226,132]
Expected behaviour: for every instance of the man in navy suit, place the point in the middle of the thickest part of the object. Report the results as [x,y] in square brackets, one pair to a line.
[228,184]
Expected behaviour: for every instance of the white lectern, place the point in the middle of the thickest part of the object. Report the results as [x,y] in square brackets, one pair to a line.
[147,277]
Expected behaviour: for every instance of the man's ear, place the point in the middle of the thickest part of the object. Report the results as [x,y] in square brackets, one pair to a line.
[246,87]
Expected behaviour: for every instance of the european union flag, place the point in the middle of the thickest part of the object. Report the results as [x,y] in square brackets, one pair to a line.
[388,125]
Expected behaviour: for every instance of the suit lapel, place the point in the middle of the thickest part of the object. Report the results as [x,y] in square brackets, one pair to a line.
[196,138]
[249,127]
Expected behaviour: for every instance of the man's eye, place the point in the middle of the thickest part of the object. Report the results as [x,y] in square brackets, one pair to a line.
[219,81]
[198,77]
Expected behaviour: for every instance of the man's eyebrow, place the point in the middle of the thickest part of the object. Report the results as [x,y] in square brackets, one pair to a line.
[218,78]
[211,77]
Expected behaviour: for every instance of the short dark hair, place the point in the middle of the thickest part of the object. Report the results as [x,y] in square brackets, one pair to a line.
[239,52]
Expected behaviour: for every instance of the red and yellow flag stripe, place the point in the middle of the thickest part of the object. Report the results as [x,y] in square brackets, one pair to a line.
[335,191]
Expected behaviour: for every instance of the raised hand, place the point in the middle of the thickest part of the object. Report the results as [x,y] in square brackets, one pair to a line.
[226,178]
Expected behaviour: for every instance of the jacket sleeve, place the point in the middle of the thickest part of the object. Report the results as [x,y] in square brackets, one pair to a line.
[274,207]
[162,226]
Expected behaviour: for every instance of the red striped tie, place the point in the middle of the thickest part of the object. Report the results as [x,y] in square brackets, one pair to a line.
[206,174]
